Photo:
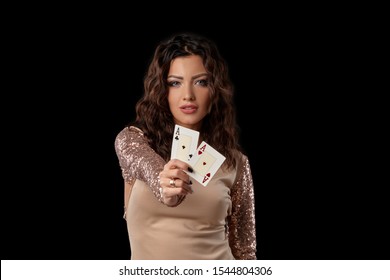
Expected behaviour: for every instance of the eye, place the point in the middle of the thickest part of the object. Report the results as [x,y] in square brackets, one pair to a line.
[173,83]
[202,82]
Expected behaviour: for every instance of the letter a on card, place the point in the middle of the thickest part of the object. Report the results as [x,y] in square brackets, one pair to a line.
[184,143]
[205,163]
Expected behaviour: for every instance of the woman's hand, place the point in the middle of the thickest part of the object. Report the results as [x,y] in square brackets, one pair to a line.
[174,181]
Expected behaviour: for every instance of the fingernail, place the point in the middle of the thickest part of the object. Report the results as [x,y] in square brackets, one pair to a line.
[190,169]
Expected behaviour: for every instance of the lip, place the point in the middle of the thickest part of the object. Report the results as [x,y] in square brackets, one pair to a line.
[188,108]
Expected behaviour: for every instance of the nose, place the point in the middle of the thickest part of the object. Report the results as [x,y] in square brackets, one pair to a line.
[188,93]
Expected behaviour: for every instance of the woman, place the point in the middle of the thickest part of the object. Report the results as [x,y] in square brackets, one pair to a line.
[169,214]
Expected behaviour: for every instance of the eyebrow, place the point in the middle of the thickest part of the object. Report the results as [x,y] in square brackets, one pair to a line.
[193,77]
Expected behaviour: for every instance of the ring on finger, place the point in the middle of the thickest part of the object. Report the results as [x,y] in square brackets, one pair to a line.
[172,183]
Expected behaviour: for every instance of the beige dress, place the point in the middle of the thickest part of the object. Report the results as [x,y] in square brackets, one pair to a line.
[216,222]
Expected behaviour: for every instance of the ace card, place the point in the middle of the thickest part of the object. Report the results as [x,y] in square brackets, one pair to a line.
[184,143]
[205,163]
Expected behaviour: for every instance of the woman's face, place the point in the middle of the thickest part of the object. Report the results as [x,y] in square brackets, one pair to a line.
[188,95]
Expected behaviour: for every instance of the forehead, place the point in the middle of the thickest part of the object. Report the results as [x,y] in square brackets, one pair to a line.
[187,64]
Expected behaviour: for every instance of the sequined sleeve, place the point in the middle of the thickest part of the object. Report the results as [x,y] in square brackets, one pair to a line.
[138,160]
[242,229]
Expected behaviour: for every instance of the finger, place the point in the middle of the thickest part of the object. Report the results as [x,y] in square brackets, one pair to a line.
[166,176]
[169,183]
[187,186]
[172,183]
[177,164]
[178,174]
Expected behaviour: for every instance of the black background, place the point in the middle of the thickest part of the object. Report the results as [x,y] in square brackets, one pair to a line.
[74,87]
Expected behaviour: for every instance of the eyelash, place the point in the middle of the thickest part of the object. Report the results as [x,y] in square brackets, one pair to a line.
[203,82]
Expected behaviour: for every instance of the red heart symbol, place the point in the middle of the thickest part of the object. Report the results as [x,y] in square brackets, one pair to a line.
[204,163]
[208,174]
[199,152]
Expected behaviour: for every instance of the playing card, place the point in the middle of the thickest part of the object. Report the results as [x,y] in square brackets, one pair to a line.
[184,143]
[205,163]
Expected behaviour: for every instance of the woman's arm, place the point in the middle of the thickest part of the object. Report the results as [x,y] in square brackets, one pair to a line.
[242,229]
[138,160]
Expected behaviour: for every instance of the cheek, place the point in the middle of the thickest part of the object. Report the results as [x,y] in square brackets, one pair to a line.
[207,101]
[171,100]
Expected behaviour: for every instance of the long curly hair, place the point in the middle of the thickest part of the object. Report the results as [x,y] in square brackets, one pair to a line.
[153,116]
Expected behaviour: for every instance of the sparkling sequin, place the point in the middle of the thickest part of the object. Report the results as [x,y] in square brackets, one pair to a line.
[138,161]
[241,229]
